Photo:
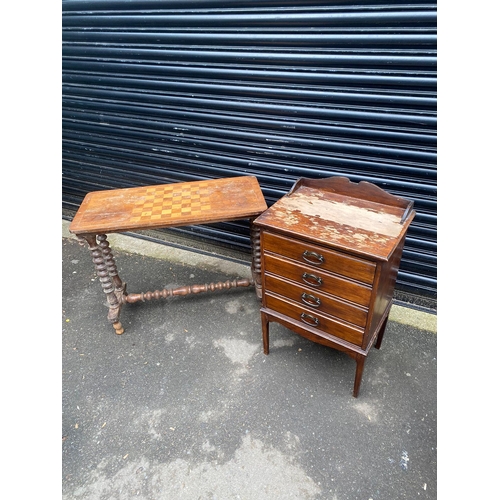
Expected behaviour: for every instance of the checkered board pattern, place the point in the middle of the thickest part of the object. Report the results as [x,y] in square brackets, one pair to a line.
[171,202]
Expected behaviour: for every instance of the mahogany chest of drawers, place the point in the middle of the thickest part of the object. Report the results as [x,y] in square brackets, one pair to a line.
[330,253]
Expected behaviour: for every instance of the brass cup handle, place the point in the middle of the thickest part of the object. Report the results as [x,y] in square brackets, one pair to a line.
[309,320]
[312,279]
[310,300]
[313,258]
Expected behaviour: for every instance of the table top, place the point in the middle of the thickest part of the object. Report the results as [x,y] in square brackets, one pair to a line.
[359,218]
[169,205]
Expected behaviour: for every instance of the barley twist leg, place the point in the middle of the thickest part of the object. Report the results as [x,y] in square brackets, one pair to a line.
[119,286]
[256,259]
[106,282]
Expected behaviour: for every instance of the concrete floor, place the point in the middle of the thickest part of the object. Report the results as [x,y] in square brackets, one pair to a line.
[185,405]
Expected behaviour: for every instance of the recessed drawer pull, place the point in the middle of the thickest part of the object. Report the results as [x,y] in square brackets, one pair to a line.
[313,258]
[309,320]
[312,279]
[310,300]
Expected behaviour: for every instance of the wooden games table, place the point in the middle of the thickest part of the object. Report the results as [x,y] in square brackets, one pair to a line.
[163,206]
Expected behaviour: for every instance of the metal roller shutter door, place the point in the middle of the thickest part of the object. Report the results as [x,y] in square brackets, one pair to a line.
[157,92]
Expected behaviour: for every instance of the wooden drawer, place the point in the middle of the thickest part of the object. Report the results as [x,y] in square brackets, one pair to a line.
[318,279]
[320,257]
[315,320]
[314,300]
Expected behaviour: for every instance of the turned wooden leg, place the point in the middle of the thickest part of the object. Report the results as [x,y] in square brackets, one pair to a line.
[109,259]
[360,364]
[106,281]
[256,259]
[118,327]
[380,335]
[265,332]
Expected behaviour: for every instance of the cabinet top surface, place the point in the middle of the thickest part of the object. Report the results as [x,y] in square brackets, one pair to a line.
[169,205]
[355,224]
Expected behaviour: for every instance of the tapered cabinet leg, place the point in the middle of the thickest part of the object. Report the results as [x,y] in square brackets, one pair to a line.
[380,335]
[265,332]
[360,364]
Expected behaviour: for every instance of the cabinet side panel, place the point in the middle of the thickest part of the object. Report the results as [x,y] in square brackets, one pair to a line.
[384,290]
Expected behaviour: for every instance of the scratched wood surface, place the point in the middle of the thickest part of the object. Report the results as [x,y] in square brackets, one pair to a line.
[367,224]
[169,205]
